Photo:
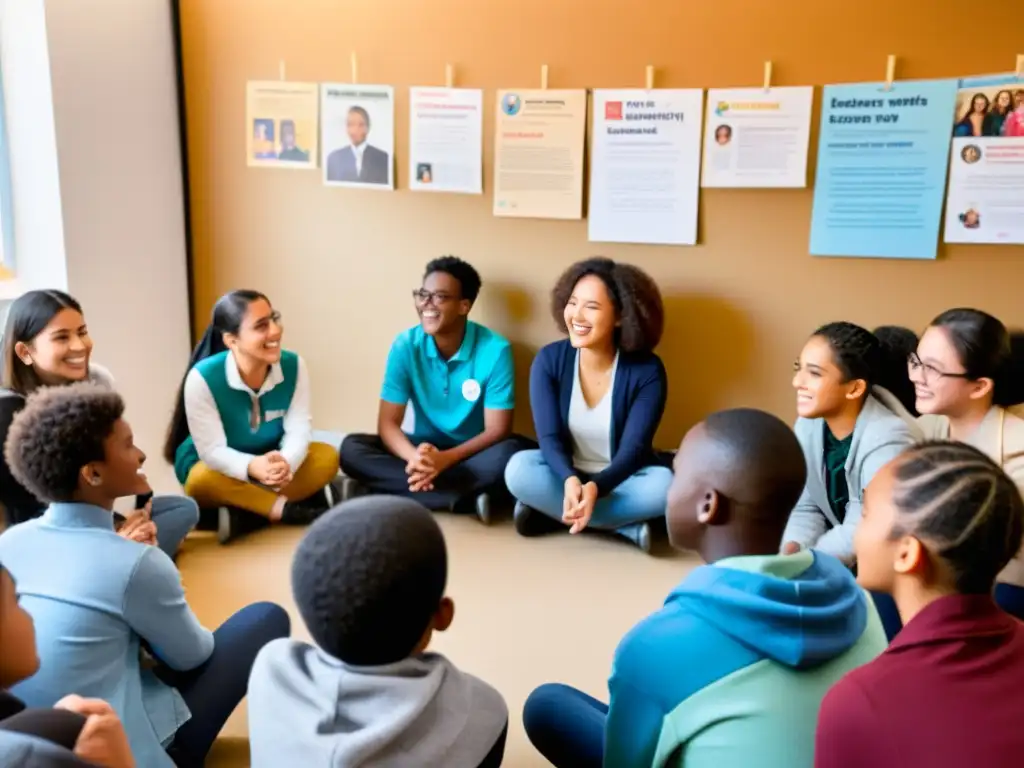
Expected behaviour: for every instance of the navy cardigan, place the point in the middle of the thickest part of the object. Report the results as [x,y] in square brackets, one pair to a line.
[638,401]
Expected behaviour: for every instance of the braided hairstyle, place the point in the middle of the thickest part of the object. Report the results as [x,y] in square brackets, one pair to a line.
[880,360]
[963,507]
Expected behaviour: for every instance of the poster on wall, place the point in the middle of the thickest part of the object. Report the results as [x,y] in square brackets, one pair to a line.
[757,137]
[281,124]
[446,140]
[646,166]
[985,203]
[882,159]
[358,135]
[538,153]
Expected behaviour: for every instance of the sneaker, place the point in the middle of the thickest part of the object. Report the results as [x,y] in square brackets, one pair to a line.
[226,525]
[639,534]
[302,512]
[483,508]
[349,489]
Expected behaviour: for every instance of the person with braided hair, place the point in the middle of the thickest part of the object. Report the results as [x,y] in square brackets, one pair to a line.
[940,522]
[968,371]
[850,425]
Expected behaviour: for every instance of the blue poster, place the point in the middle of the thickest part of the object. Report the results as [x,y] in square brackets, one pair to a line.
[882,160]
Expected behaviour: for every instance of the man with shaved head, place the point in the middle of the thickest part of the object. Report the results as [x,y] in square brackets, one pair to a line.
[731,671]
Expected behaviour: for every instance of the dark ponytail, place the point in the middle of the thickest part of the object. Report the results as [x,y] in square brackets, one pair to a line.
[228,314]
[880,360]
[987,350]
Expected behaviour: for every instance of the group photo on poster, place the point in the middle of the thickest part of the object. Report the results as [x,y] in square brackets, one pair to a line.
[985,203]
[358,135]
[281,124]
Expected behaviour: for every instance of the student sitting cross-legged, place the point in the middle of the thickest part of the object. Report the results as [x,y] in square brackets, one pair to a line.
[597,398]
[369,580]
[731,671]
[457,377]
[99,600]
[940,522]
[240,437]
[46,343]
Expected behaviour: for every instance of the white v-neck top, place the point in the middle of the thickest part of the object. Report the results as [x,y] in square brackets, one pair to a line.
[591,428]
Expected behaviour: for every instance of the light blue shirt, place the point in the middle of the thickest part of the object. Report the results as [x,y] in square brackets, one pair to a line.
[448,397]
[94,596]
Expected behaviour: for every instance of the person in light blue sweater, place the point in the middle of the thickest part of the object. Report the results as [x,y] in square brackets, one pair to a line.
[369,580]
[730,673]
[110,614]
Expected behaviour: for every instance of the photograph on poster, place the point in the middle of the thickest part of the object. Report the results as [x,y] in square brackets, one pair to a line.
[985,201]
[281,124]
[358,135]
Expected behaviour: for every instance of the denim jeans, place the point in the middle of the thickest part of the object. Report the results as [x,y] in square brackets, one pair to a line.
[215,689]
[174,516]
[637,499]
[566,726]
[1009,597]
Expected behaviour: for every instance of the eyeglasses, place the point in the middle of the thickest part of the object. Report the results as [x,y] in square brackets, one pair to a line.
[421,296]
[929,372]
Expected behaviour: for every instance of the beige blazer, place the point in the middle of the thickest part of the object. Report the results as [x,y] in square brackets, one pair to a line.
[1000,436]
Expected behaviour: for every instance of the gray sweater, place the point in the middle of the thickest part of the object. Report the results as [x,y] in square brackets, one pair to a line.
[307,708]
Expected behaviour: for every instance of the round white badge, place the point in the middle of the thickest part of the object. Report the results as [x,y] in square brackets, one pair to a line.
[471,390]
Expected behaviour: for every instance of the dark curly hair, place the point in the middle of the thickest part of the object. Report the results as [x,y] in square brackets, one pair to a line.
[367,578]
[635,295]
[878,360]
[963,507]
[463,271]
[59,431]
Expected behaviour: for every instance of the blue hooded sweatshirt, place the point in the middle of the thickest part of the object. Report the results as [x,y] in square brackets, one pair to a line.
[731,672]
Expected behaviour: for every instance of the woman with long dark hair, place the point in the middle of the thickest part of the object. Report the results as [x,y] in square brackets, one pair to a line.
[972,122]
[241,435]
[47,343]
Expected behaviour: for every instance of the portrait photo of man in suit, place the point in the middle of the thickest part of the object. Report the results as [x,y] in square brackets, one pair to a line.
[360,162]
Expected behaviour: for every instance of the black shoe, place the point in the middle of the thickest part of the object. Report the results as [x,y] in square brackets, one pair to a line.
[303,512]
[349,489]
[228,524]
[529,522]
[639,534]
[483,508]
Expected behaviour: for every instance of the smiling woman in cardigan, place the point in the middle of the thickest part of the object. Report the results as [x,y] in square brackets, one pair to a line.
[597,399]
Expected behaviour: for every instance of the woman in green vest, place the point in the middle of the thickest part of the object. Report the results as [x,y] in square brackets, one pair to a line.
[240,438]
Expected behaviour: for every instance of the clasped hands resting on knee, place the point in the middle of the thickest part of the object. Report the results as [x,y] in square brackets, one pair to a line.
[578,503]
[424,467]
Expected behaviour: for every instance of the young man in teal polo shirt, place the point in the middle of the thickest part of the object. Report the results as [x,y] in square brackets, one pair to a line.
[457,378]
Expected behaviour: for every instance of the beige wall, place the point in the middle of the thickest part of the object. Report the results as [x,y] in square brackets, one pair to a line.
[340,263]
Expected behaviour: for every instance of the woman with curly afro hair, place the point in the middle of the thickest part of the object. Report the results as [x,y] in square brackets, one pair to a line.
[98,600]
[597,399]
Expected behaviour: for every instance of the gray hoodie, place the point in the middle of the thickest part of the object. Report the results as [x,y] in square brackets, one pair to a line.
[307,708]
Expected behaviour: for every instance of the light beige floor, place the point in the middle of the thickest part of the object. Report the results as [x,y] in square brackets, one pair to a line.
[528,611]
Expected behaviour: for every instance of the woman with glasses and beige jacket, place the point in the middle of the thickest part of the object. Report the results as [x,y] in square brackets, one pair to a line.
[968,373]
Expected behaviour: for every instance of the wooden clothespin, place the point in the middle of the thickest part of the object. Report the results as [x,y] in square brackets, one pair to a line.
[767,76]
[449,76]
[890,71]
[1020,66]
[649,77]
[355,68]
[280,71]
[543,77]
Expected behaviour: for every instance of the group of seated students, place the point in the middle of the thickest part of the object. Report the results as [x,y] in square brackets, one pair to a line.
[903,473]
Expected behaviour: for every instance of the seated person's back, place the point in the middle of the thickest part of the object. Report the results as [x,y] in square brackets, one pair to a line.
[369,580]
[940,523]
[732,670]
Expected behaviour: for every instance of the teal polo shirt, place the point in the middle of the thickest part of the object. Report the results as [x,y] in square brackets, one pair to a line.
[448,397]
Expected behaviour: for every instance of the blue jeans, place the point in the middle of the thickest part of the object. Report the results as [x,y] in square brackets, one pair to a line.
[174,516]
[213,690]
[566,726]
[637,499]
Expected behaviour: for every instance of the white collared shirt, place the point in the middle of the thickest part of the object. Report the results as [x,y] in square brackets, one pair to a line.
[207,430]
[358,151]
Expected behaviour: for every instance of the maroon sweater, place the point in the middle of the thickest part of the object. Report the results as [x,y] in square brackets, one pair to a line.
[948,693]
